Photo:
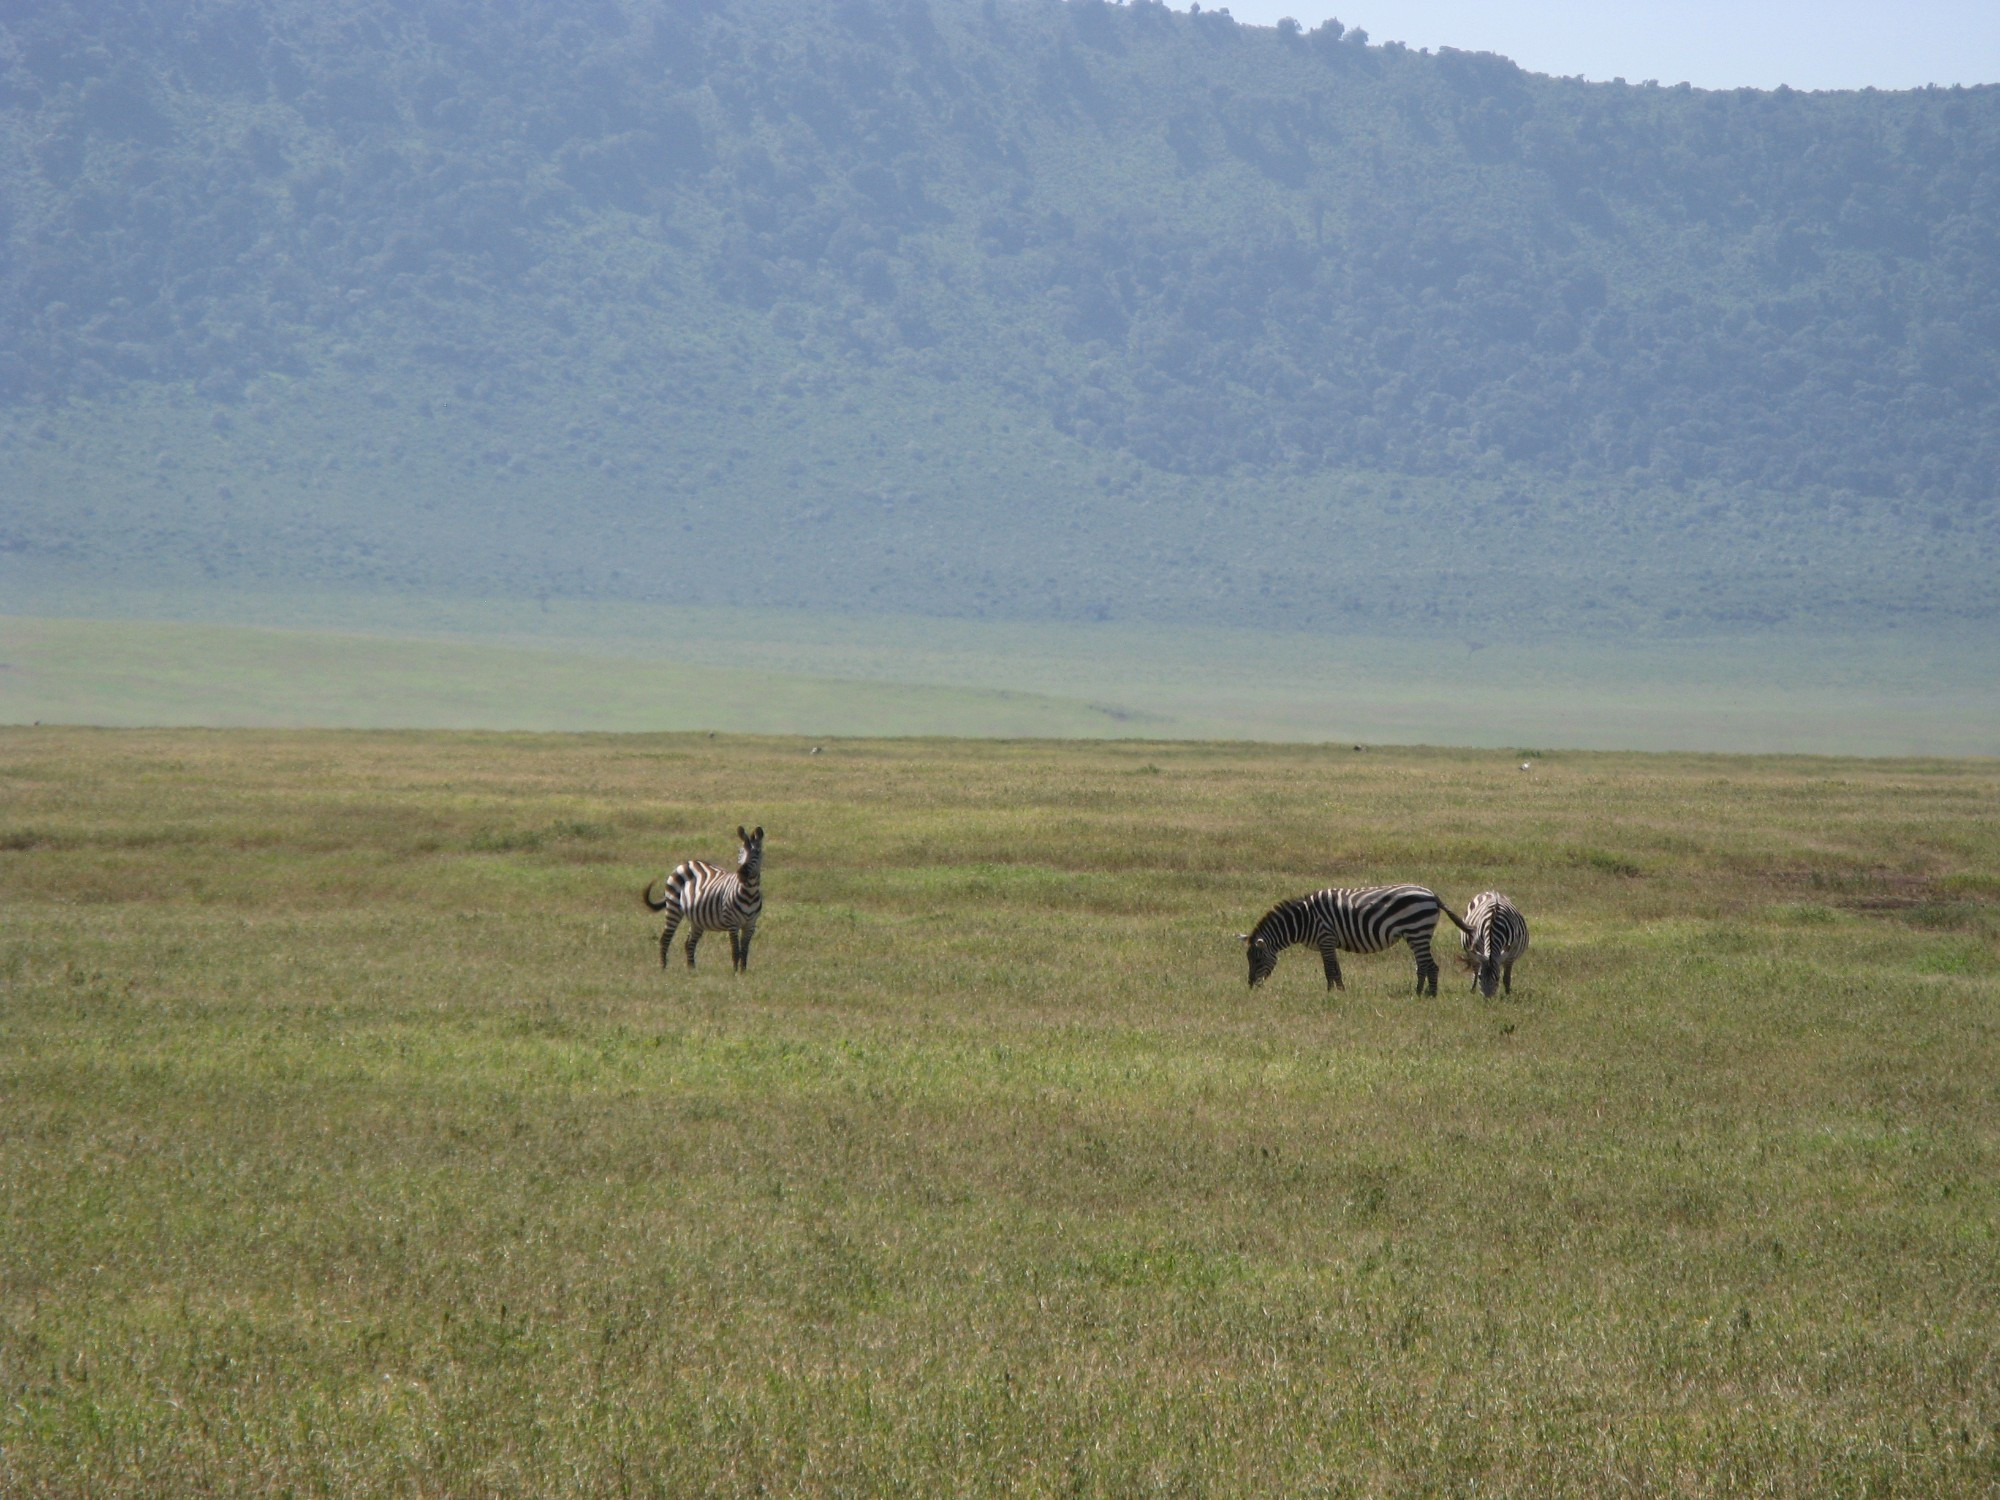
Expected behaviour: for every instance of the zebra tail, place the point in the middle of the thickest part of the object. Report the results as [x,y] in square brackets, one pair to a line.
[647,895]
[1454,919]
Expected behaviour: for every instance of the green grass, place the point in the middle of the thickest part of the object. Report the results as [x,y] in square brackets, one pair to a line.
[398,661]
[355,1142]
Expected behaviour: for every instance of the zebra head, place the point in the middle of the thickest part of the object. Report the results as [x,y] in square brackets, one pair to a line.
[1479,948]
[750,858]
[1263,957]
[1487,980]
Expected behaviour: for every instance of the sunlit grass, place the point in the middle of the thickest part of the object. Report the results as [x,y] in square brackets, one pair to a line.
[355,1141]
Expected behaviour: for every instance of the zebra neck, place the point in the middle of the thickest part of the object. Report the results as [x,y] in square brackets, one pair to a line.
[1283,925]
[750,879]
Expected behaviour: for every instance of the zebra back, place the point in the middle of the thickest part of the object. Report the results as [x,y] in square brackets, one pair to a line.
[1367,919]
[710,897]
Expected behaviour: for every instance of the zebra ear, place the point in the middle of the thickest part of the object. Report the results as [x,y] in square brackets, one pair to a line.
[759,833]
[741,834]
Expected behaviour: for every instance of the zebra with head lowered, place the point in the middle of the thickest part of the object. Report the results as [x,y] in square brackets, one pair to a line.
[1496,934]
[1364,920]
[710,899]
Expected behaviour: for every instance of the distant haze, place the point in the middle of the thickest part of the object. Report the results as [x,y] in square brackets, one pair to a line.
[1805,44]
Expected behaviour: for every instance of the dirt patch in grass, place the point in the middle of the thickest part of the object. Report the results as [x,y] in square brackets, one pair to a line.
[1880,889]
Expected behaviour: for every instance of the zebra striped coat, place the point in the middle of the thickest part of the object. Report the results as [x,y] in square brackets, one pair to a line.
[1364,920]
[710,899]
[1496,935]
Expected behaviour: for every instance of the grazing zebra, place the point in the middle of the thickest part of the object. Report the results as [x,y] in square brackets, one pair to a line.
[708,898]
[1361,921]
[1495,935]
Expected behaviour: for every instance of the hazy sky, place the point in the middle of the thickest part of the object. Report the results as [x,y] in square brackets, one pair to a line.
[1809,44]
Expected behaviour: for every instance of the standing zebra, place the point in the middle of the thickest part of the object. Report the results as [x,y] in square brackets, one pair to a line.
[708,898]
[1366,920]
[1496,934]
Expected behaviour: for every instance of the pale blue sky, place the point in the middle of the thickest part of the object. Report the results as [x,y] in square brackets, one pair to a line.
[1809,44]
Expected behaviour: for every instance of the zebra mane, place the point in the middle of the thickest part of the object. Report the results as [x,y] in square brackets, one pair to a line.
[1280,923]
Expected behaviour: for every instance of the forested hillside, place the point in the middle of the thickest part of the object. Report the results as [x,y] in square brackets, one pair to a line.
[984,306]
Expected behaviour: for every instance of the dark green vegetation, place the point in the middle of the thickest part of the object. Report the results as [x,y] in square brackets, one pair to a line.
[355,1144]
[1011,308]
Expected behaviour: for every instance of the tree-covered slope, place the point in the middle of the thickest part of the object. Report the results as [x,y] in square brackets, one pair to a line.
[1018,306]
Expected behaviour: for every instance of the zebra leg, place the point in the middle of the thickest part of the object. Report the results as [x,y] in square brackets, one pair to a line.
[1331,960]
[1507,976]
[667,939]
[735,951]
[694,937]
[1427,969]
[743,961]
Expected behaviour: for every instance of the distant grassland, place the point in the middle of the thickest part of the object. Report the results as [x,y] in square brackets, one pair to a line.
[355,1143]
[399,661]
[137,673]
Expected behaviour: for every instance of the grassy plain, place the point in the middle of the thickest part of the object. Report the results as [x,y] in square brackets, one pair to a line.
[361,661]
[355,1142]
[122,672]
